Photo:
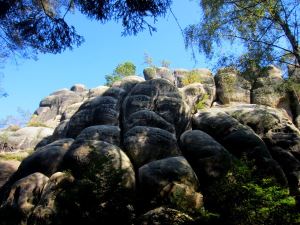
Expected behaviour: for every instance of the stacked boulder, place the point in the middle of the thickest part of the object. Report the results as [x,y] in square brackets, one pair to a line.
[140,152]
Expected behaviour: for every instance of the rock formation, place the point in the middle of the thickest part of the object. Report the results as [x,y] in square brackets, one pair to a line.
[142,151]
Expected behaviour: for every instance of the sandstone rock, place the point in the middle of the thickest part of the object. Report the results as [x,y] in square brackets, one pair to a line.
[272,125]
[127,83]
[267,90]
[7,168]
[239,140]
[46,210]
[28,137]
[78,88]
[182,197]
[146,144]
[110,134]
[164,173]
[232,88]
[164,215]
[161,97]
[179,75]
[196,97]
[23,197]
[158,72]
[51,107]
[290,166]
[148,118]
[101,110]
[46,160]
[97,91]
[86,157]
[208,158]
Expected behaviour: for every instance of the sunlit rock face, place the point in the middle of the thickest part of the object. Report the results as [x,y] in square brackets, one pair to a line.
[145,150]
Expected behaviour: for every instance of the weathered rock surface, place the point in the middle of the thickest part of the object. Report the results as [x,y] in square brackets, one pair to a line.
[23,197]
[232,88]
[107,133]
[46,210]
[101,110]
[159,72]
[239,140]
[164,215]
[51,108]
[209,159]
[267,90]
[161,178]
[27,137]
[146,144]
[134,154]
[7,168]
[87,157]
[161,97]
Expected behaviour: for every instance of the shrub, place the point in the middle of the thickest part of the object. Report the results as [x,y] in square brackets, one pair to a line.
[241,198]
[33,123]
[97,197]
[191,77]
[122,70]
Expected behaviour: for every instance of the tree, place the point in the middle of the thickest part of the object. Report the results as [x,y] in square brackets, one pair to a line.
[122,70]
[268,30]
[28,27]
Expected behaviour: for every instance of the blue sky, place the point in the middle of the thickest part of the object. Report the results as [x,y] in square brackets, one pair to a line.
[104,47]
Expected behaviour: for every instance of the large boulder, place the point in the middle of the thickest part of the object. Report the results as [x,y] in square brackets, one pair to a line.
[101,110]
[239,140]
[271,124]
[196,96]
[46,160]
[26,137]
[87,158]
[231,87]
[161,97]
[22,198]
[208,158]
[163,215]
[7,168]
[268,90]
[146,144]
[150,119]
[51,107]
[160,180]
[107,133]
[128,82]
[159,72]
[46,212]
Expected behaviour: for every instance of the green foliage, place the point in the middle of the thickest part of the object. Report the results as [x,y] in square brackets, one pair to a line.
[243,198]
[122,70]
[191,77]
[32,27]
[262,32]
[228,79]
[33,123]
[97,197]
[19,156]
[201,104]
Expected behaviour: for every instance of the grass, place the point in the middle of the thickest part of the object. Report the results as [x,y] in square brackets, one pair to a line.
[19,156]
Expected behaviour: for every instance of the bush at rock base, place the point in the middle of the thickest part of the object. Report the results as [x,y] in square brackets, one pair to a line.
[97,198]
[242,197]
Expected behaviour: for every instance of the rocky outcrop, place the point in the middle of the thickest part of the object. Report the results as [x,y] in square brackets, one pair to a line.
[7,168]
[146,152]
[209,159]
[25,138]
[231,87]
[268,90]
